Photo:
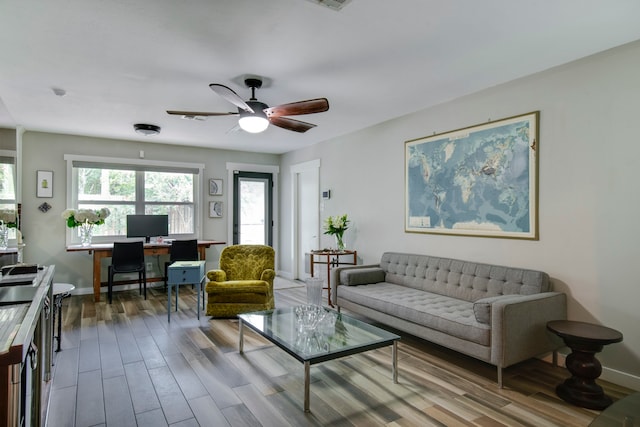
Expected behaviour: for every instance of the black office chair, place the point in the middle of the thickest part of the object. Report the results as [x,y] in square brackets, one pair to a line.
[128,257]
[181,250]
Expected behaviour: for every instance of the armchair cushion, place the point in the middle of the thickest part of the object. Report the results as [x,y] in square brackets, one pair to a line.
[216,275]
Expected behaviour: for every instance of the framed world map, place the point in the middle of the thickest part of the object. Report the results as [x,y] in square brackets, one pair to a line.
[476,181]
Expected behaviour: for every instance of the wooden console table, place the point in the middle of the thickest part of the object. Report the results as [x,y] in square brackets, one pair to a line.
[331,258]
[103,250]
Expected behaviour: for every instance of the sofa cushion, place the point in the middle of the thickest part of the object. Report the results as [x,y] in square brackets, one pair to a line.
[362,276]
[439,312]
[482,308]
[465,280]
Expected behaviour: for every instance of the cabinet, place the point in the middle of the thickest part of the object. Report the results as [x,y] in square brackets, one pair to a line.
[26,332]
[183,273]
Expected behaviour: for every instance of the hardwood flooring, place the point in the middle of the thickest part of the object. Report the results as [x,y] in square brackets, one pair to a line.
[124,365]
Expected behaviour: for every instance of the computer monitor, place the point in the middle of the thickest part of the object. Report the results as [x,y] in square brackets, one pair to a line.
[147,226]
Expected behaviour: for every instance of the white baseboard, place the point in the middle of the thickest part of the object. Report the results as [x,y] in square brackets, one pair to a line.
[623,379]
[286,275]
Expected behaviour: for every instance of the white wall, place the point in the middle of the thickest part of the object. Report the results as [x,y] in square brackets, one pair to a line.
[44,233]
[588,189]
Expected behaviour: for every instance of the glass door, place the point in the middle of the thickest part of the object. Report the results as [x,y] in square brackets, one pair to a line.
[253,208]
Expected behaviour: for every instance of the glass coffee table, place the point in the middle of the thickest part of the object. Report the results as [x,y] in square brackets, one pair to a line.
[335,335]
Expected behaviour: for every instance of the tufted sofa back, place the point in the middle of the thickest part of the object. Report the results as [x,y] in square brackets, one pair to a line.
[465,280]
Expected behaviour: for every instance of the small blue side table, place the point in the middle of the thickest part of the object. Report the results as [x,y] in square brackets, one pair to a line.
[182,273]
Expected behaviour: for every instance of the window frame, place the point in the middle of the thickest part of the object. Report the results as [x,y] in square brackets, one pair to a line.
[134,165]
[5,156]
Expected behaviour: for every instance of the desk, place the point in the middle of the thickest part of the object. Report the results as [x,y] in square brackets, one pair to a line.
[331,259]
[185,273]
[104,251]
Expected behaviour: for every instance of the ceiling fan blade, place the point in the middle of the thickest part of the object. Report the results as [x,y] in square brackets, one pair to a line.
[191,114]
[291,124]
[230,96]
[297,108]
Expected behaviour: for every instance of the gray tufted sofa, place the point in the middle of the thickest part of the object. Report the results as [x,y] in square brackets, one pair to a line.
[496,314]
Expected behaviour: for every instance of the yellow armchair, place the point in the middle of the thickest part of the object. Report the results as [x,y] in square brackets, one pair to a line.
[244,281]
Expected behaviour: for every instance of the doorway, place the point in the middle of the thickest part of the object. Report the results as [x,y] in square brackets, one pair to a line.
[252,208]
[306,216]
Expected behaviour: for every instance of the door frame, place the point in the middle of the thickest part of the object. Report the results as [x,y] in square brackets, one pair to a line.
[250,167]
[254,176]
[312,165]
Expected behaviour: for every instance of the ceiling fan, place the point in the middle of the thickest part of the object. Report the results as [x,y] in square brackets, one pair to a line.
[255,116]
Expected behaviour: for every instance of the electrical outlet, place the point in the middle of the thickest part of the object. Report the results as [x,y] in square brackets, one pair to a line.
[149,266]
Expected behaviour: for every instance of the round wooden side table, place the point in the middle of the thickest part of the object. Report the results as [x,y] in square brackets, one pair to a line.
[584,340]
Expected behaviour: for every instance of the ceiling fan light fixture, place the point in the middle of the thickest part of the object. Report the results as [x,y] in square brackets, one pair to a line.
[145,129]
[253,122]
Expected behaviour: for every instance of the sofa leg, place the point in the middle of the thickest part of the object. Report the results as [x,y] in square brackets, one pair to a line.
[499,377]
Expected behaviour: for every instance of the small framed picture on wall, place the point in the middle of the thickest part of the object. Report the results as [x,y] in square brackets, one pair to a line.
[215,187]
[215,209]
[44,184]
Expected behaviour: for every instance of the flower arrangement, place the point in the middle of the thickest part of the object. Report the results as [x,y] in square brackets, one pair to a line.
[78,217]
[336,226]
[85,219]
[8,218]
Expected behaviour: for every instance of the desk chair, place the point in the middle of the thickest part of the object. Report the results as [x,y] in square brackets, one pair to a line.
[128,257]
[181,250]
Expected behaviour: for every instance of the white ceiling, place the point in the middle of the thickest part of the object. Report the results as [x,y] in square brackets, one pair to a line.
[127,61]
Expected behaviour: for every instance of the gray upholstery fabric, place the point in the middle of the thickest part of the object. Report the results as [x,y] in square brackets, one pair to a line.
[362,276]
[465,280]
[495,313]
[449,315]
[482,308]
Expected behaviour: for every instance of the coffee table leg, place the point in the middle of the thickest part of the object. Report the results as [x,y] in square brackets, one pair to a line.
[307,369]
[241,339]
[394,362]
[169,303]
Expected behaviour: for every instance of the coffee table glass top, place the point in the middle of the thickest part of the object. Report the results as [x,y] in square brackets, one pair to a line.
[335,335]
[624,412]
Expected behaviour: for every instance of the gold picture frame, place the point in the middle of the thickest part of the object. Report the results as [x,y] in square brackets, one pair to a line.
[479,181]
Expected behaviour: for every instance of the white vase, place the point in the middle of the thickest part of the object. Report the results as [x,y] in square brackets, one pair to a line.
[86,234]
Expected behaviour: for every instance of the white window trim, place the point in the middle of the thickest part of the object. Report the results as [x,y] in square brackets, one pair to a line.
[198,204]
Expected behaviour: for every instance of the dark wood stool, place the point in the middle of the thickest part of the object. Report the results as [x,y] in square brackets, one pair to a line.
[584,340]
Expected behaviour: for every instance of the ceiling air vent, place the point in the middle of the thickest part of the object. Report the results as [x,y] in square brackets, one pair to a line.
[332,4]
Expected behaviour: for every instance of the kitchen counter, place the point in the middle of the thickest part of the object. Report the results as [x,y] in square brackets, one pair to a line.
[26,332]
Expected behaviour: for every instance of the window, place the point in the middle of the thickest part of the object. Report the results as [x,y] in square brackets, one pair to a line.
[141,187]
[8,183]
[7,180]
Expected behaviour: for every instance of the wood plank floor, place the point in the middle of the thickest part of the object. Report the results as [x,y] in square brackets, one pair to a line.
[124,365]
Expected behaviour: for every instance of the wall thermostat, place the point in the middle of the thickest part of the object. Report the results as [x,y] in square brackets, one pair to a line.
[326,194]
